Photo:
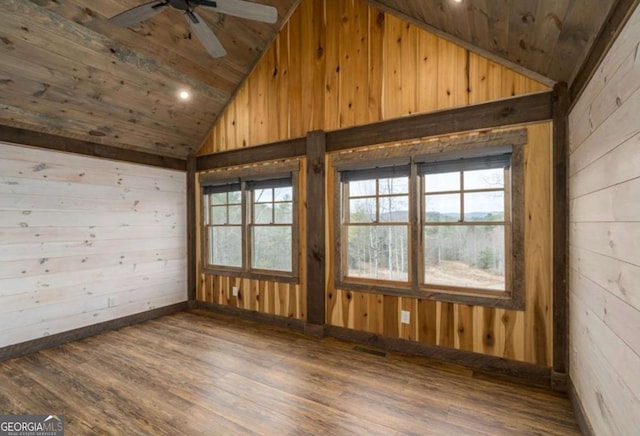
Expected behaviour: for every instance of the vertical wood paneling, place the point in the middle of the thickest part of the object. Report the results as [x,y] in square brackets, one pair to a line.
[85,240]
[604,259]
[521,335]
[340,64]
[360,65]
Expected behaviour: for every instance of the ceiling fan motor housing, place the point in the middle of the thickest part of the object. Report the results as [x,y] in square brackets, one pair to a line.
[186,5]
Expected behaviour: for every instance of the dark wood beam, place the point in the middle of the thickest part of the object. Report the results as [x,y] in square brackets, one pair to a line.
[526,109]
[517,110]
[287,149]
[560,234]
[619,14]
[316,152]
[59,143]
[191,228]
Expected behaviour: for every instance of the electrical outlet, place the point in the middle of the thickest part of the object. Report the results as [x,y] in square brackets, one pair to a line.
[111,301]
[234,291]
[405,317]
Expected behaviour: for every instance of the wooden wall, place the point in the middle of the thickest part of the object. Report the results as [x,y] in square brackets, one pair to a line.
[340,64]
[337,64]
[604,188]
[78,231]
[520,335]
[265,296]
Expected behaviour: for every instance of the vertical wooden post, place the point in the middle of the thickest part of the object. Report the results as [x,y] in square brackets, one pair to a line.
[191,229]
[316,150]
[560,235]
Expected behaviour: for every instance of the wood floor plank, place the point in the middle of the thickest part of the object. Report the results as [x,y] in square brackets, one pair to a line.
[192,374]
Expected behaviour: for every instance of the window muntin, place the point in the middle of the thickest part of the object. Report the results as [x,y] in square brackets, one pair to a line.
[449,195]
[250,226]
[376,225]
[464,228]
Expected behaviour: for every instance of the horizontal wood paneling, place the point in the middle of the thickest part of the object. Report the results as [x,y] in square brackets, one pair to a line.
[77,231]
[342,64]
[520,335]
[604,234]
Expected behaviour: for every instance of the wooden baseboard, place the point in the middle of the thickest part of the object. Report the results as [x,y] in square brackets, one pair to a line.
[32,346]
[578,409]
[252,315]
[559,381]
[511,370]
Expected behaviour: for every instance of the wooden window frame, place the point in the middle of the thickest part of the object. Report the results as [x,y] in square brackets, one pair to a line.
[440,150]
[345,223]
[244,176]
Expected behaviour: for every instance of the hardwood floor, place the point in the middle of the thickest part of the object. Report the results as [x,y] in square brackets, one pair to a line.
[193,374]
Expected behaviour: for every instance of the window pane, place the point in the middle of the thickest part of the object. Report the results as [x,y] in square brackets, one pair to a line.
[362,188]
[378,252]
[442,182]
[397,185]
[235,214]
[484,206]
[272,248]
[394,209]
[219,198]
[465,256]
[219,215]
[226,246]
[263,213]
[235,197]
[362,210]
[442,207]
[284,213]
[484,179]
[263,195]
[283,194]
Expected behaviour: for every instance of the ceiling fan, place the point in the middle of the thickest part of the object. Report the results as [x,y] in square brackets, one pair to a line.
[238,8]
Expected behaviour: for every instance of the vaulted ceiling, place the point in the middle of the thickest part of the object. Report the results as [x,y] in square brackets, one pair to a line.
[65,70]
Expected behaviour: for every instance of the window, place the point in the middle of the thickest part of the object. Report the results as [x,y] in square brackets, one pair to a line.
[444,225]
[250,225]
[463,224]
[376,224]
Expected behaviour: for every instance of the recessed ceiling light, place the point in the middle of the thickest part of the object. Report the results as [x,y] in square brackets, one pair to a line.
[457,1]
[184,95]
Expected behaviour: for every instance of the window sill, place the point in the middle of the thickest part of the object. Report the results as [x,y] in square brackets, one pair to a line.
[262,275]
[506,301]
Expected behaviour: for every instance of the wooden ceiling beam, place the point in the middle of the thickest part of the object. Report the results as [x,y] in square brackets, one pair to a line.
[47,141]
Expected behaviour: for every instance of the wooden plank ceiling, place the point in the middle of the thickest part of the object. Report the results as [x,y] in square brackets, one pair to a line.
[65,70]
[547,37]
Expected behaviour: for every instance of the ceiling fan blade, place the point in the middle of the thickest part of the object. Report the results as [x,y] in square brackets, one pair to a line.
[133,16]
[244,9]
[206,36]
